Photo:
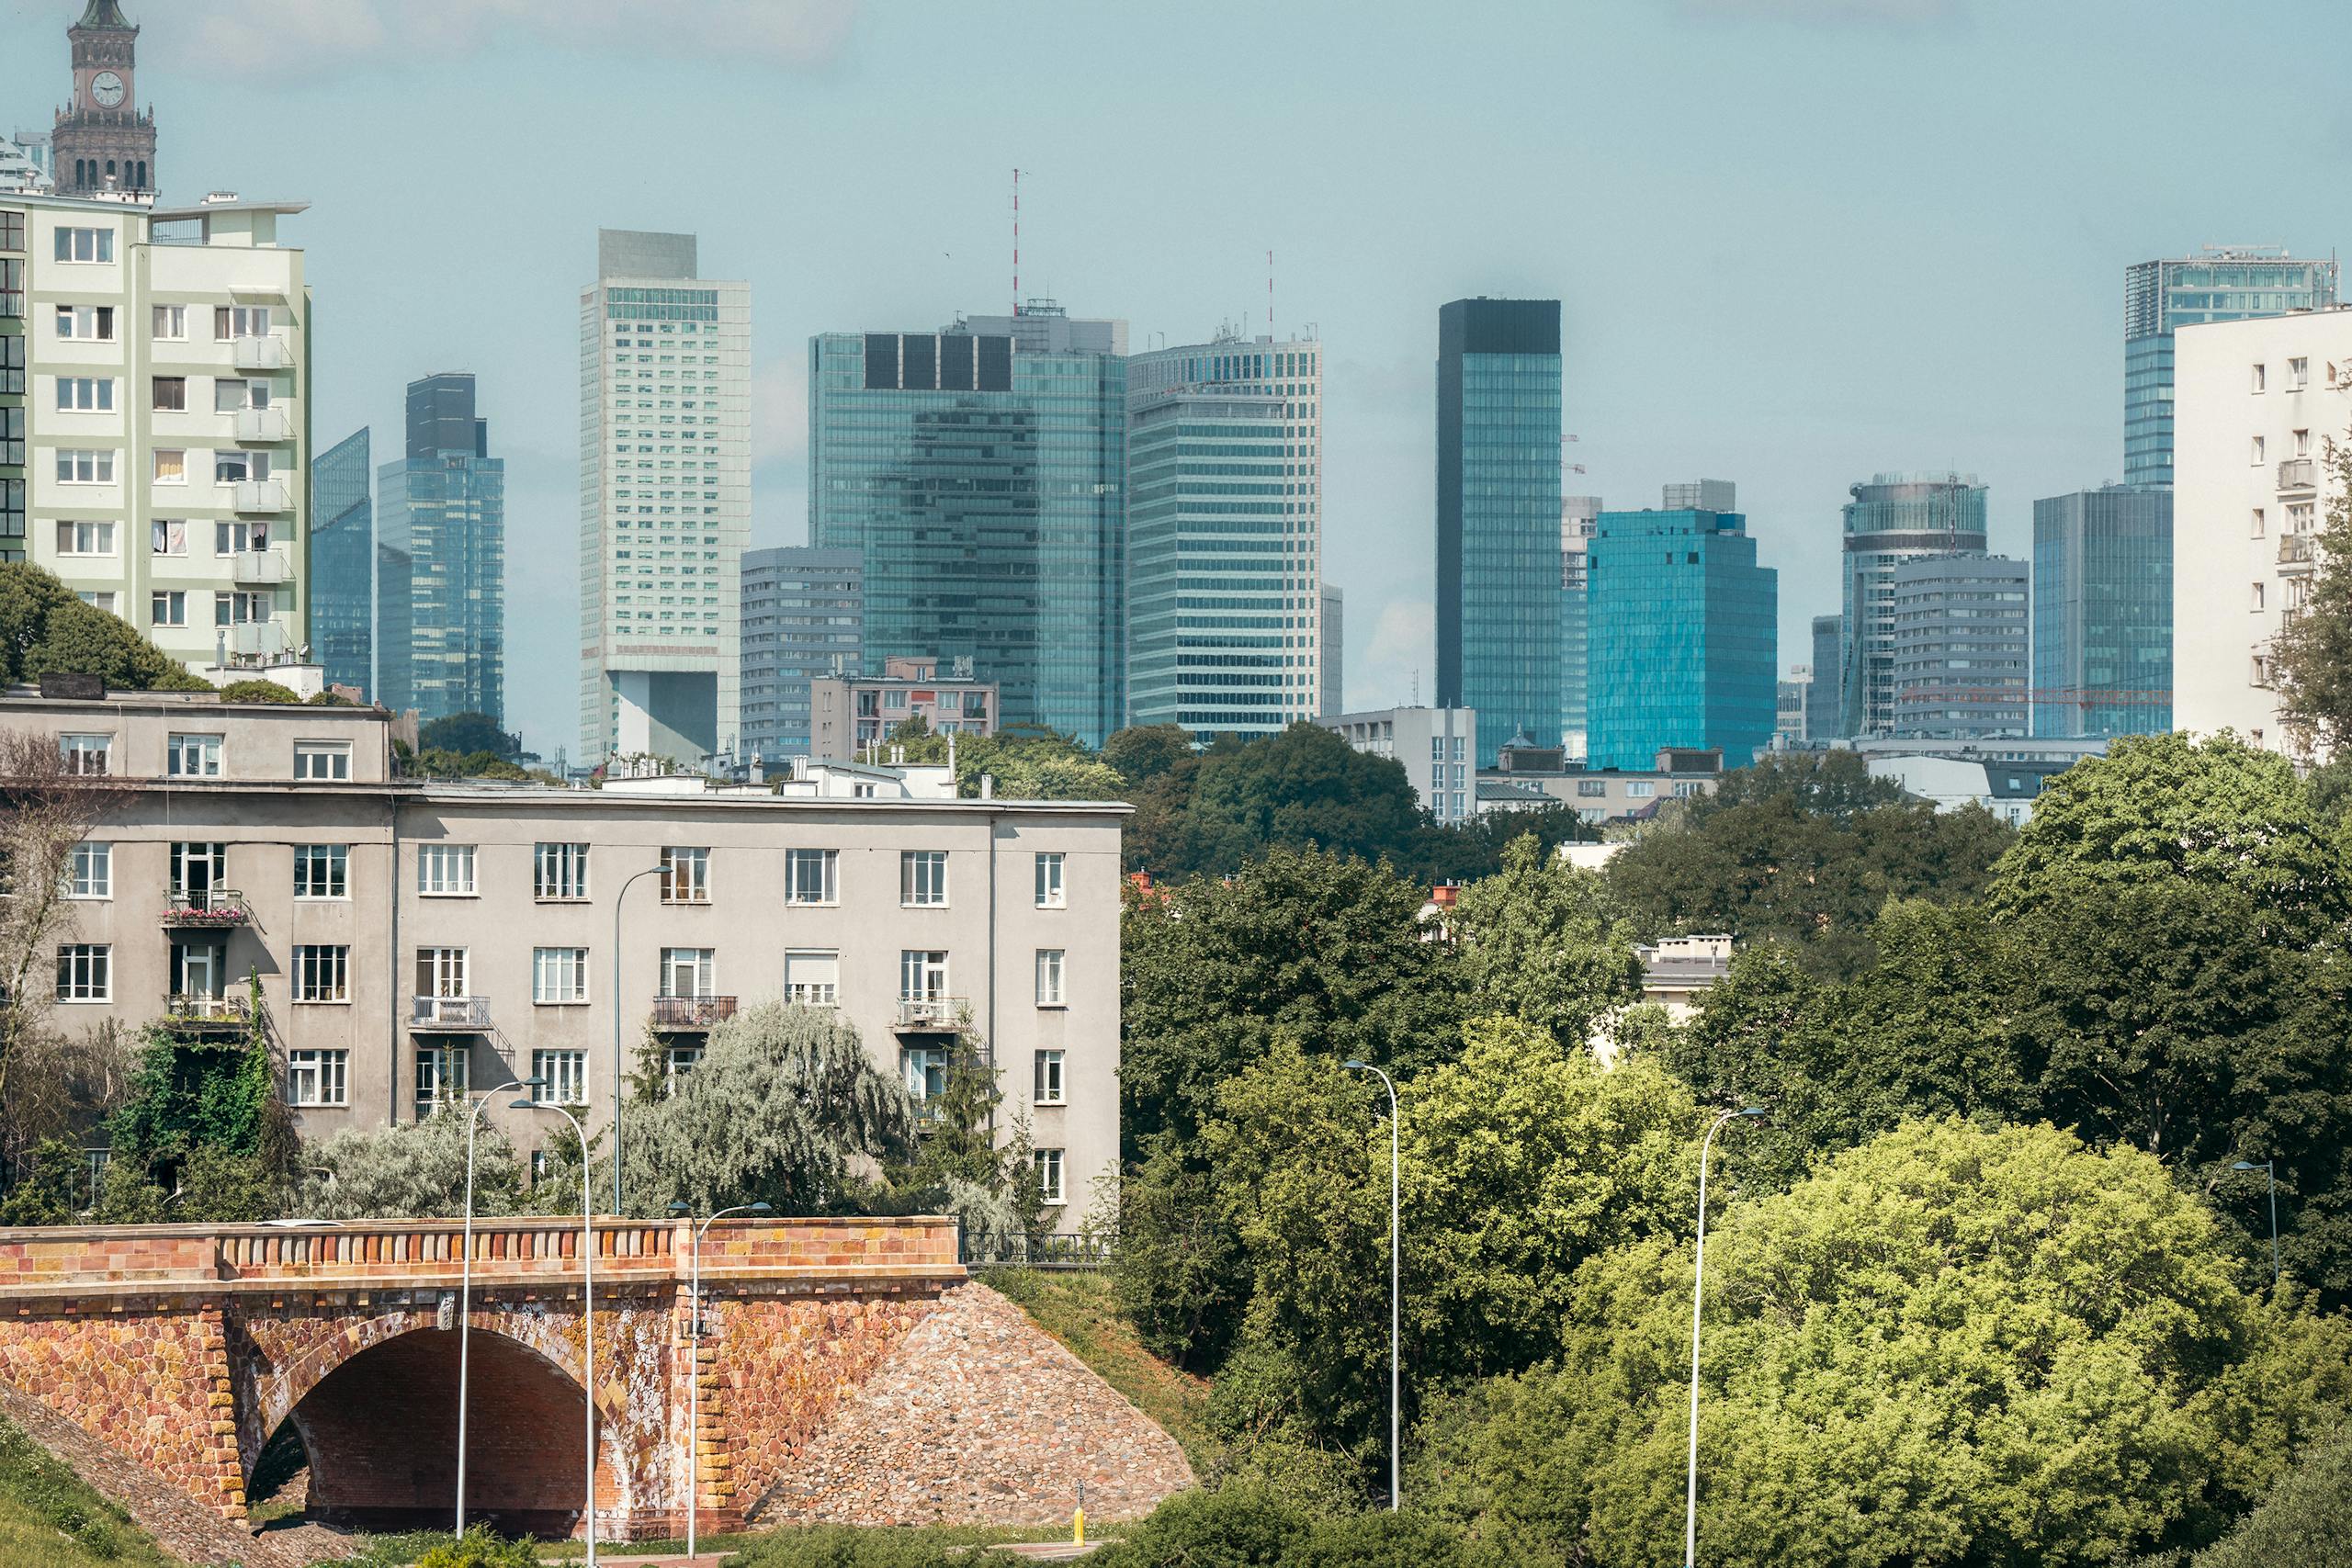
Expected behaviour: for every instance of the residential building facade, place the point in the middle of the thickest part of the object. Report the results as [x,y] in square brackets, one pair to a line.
[665,500]
[1963,630]
[343,564]
[803,611]
[1889,519]
[2102,611]
[1530,779]
[442,522]
[850,715]
[1437,747]
[2255,402]
[1499,389]
[2230,283]
[1224,536]
[15,414]
[413,943]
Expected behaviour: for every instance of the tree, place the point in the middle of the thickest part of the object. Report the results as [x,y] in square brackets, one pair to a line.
[54,1190]
[411,1171]
[2310,656]
[1303,788]
[1539,941]
[195,1103]
[2306,1518]
[1143,752]
[258,691]
[1834,784]
[45,628]
[464,734]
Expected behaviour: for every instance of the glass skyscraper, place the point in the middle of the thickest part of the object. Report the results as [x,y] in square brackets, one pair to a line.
[343,564]
[1499,519]
[1224,536]
[1821,697]
[802,613]
[1579,515]
[441,563]
[982,489]
[1682,638]
[2221,284]
[1892,518]
[2102,613]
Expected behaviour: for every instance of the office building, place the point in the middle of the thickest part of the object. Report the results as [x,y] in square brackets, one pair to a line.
[441,524]
[165,436]
[343,565]
[104,143]
[413,943]
[2255,402]
[1435,747]
[1795,695]
[1530,778]
[2218,284]
[1224,536]
[1821,698]
[1579,516]
[1961,663]
[1499,516]
[665,500]
[981,485]
[24,165]
[851,716]
[1892,518]
[1683,643]
[2102,613]
[1333,631]
[802,612]
[1703,495]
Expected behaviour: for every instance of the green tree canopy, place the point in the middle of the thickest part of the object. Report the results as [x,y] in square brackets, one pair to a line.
[1304,787]
[1539,942]
[467,733]
[411,1171]
[258,691]
[45,628]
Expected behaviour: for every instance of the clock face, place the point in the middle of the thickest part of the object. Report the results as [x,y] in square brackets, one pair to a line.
[107,87]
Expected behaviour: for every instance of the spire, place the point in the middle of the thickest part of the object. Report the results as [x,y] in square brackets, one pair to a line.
[105,15]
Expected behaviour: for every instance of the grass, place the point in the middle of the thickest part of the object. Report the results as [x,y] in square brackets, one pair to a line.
[49,1518]
[1076,1307]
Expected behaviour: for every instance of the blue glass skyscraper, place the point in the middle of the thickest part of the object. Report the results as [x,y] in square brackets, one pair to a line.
[1498,616]
[2223,284]
[1682,638]
[343,564]
[2102,613]
[441,561]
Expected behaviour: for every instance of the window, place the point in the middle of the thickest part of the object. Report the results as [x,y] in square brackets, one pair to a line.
[193,757]
[12,231]
[686,876]
[321,870]
[84,394]
[812,876]
[1050,895]
[442,1076]
[234,468]
[2257,451]
[2261,377]
[563,1077]
[812,979]
[85,538]
[558,975]
[323,760]
[199,969]
[922,974]
[2298,374]
[1049,1175]
[923,877]
[84,465]
[91,873]
[240,320]
[1640,789]
[12,283]
[322,973]
[86,753]
[2299,517]
[171,469]
[2257,522]
[2257,605]
[318,1077]
[677,1061]
[445,871]
[197,869]
[230,395]
[2302,444]
[82,972]
[687,971]
[1592,789]
[171,324]
[925,1070]
[84,245]
[237,607]
[167,607]
[93,322]
[560,871]
[441,972]
[1049,977]
[1048,1088]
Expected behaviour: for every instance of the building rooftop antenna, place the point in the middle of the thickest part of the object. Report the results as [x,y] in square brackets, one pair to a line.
[1270,295]
[1016,242]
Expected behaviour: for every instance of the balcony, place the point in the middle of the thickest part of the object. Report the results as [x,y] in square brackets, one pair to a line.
[930,1015]
[460,1015]
[2298,551]
[211,907]
[260,569]
[2298,473]
[692,1013]
[256,641]
[261,354]
[257,495]
[263,425]
[201,1014]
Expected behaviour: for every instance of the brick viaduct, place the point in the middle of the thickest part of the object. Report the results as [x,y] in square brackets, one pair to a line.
[827,1346]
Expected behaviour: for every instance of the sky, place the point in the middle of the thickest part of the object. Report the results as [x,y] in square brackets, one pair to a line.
[1797,242]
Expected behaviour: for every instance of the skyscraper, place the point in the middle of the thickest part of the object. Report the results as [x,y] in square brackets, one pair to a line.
[1891,518]
[1682,635]
[442,521]
[1960,656]
[2102,613]
[1333,632]
[1498,518]
[666,374]
[343,564]
[1225,534]
[1821,696]
[104,143]
[802,613]
[1580,517]
[2218,284]
[981,485]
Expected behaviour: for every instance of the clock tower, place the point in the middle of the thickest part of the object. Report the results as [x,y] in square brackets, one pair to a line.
[104,143]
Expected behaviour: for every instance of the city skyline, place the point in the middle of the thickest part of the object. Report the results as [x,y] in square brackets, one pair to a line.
[1668,337]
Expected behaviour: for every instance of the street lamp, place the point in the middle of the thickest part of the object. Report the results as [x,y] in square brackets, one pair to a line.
[2270,1170]
[694,1375]
[618,899]
[1698,1288]
[466,1280]
[587,1301]
[1396,1292]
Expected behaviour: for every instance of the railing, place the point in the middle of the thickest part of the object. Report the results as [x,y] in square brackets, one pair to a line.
[257,639]
[1047,1251]
[261,424]
[2298,473]
[929,1014]
[2295,549]
[257,495]
[260,569]
[228,1011]
[207,906]
[692,1012]
[469,1013]
[261,353]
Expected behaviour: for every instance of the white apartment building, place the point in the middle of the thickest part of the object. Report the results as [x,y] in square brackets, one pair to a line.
[166,413]
[2255,404]
[416,941]
[665,501]
[1439,748]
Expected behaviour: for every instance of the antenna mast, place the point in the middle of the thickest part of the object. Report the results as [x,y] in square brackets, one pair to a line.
[1270,296]
[1016,242]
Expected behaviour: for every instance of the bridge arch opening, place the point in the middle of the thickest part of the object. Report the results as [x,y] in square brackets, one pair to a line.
[379,1434]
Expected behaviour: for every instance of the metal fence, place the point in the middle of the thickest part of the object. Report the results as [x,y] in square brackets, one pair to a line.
[1037,1251]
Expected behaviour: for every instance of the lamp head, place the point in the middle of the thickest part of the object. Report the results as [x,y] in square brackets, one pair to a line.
[1351,1062]
[521,1105]
[534,1081]
[1756,1110]
[763,1208]
[2244,1165]
[680,1207]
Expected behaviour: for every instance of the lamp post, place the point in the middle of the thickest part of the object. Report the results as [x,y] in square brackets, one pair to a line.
[1698,1292]
[618,899]
[1395,1292]
[2270,1170]
[465,1282]
[587,1301]
[694,1374]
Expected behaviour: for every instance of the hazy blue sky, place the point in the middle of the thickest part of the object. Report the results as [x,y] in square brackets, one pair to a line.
[1798,240]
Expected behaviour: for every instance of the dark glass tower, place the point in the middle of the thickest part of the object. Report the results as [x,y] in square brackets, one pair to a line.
[2102,613]
[343,564]
[441,561]
[1498,616]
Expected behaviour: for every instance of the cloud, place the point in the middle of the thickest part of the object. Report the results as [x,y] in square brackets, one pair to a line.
[316,36]
[1382,669]
[1831,13]
[780,411]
